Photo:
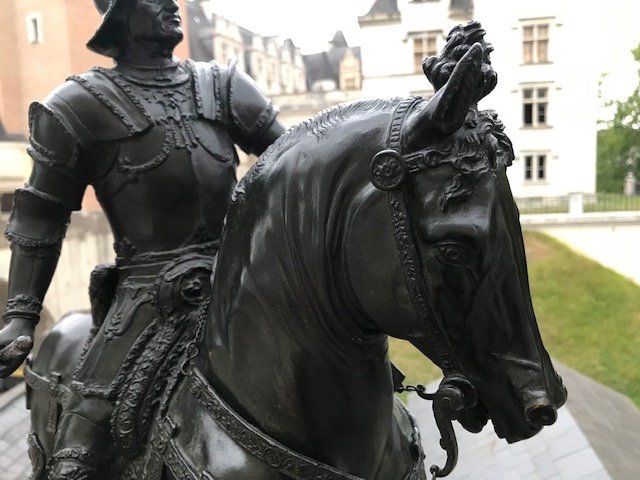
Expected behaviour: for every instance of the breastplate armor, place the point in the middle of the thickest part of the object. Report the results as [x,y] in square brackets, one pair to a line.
[170,185]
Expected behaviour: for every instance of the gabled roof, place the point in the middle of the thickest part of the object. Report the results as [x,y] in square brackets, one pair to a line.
[326,65]
[318,68]
[461,4]
[382,11]
[246,35]
[338,40]
[461,9]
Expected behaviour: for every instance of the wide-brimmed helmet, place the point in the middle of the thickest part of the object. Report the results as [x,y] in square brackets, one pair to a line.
[111,31]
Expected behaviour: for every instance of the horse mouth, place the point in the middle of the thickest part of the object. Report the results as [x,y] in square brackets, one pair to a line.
[512,436]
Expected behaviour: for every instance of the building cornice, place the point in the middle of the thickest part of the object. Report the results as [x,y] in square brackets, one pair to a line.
[379,19]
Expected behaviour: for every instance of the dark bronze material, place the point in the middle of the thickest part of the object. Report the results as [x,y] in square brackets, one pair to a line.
[260,350]
[156,139]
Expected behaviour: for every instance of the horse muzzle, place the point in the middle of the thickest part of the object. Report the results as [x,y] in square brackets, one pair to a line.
[540,413]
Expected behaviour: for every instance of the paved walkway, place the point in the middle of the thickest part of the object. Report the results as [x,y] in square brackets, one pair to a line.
[561,451]
[14,427]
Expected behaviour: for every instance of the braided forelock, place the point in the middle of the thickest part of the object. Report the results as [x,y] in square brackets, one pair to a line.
[478,147]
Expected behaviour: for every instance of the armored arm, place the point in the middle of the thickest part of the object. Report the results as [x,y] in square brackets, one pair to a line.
[252,118]
[37,227]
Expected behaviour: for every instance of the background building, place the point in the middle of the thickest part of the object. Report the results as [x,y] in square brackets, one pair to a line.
[275,64]
[397,35]
[552,59]
[299,85]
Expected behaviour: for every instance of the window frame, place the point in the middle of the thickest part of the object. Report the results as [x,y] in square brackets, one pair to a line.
[535,167]
[35,34]
[537,115]
[425,50]
[535,45]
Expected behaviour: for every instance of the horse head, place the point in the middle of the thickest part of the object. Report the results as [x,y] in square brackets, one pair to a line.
[459,291]
[381,217]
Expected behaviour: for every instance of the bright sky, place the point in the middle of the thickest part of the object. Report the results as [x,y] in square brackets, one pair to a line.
[310,23]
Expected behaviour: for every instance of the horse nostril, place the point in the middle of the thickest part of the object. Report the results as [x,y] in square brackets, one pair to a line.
[541,413]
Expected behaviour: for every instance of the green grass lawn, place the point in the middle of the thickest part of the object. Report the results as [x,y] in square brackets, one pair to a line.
[589,317]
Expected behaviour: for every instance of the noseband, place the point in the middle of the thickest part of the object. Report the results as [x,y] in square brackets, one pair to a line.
[389,170]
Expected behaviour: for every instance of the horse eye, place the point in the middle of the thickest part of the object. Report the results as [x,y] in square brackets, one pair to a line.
[453,254]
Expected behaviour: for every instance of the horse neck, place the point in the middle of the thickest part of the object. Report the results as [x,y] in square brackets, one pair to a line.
[283,347]
[285,353]
[303,381]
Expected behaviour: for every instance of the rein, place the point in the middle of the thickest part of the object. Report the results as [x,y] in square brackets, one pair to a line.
[389,170]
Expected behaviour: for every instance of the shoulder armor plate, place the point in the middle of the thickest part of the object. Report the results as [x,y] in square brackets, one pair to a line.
[206,84]
[51,141]
[92,108]
[250,110]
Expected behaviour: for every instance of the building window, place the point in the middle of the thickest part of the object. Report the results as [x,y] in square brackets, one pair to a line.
[535,167]
[535,43]
[349,83]
[424,46]
[34,28]
[534,106]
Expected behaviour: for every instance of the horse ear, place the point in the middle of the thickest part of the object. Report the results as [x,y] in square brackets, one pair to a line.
[445,112]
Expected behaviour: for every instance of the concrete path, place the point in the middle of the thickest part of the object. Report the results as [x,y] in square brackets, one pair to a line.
[14,427]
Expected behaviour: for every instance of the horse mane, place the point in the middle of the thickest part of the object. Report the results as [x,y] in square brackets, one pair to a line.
[318,126]
[478,146]
[286,224]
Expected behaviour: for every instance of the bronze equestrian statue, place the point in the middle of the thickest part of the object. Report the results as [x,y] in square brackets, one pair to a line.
[156,139]
[376,218]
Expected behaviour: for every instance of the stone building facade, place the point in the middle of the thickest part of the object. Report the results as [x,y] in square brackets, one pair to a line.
[551,58]
[275,64]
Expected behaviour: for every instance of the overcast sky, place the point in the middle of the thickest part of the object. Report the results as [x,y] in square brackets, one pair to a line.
[310,23]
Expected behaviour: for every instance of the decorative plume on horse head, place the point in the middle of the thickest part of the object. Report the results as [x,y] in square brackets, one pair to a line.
[438,68]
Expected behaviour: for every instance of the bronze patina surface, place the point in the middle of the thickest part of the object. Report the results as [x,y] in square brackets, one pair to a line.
[242,332]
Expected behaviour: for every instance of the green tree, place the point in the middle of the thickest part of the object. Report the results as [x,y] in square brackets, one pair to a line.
[619,144]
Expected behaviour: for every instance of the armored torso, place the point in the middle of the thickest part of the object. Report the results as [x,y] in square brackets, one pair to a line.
[168,186]
[157,144]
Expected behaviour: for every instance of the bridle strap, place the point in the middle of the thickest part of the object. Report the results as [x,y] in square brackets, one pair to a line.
[388,173]
[389,169]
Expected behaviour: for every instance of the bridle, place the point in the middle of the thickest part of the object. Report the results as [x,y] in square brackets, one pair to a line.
[389,170]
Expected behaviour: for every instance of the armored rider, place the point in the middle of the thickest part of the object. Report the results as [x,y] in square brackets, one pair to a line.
[155,138]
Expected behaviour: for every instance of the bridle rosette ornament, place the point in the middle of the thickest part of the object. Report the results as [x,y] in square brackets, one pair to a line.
[388,170]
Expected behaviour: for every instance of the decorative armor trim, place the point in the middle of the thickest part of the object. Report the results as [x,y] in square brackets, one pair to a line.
[40,153]
[72,464]
[80,454]
[24,306]
[251,112]
[256,442]
[66,204]
[117,97]
[61,393]
[52,241]
[21,230]
[38,458]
